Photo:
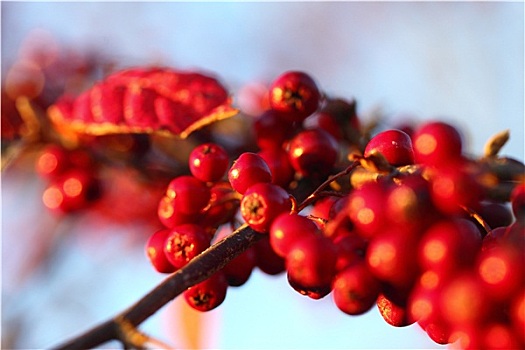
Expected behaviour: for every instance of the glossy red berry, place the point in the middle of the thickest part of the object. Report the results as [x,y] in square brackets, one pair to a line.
[208,162]
[209,294]
[437,143]
[313,152]
[271,130]
[189,194]
[355,290]
[315,293]
[311,260]
[366,208]
[170,216]
[247,170]
[223,205]
[326,121]
[185,242]
[155,251]
[295,94]
[239,270]
[287,228]
[279,164]
[350,247]
[262,203]
[394,145]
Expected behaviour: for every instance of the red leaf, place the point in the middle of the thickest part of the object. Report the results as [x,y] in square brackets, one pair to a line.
[145,100]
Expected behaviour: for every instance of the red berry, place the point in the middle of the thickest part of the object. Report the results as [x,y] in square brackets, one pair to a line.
[437,143]
[222,207]
[311,260]
[395,315]
[355,290]
[394,145]
[262,203]
[266,258]
[311,292]
[239,270]
[449,245]
[73,190]
[271,129]
[366,208]
[295,94]
[351,249]
[185,242]
[287,228]
[326,121]
[517,199]
[279,164]
[248,170]
[313,152]
[155,252]
[208,162]
[392,256]
[209,294]
[189,194]
[170,216]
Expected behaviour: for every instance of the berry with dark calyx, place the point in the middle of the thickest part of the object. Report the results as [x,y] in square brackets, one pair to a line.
[155,251]
[72,191]
[437,143]
[287,228]
[355,289]
[313,153]
[249,169]
[262,203]
[517,200]
[209,294]
[394,145]
[185,242]
[395,315]
[208,162]
[311,260]
[279,164]
[295,94]
[271,130]
[266,259]
[189,194]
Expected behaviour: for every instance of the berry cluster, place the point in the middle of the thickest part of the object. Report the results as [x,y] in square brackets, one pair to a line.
[414,230]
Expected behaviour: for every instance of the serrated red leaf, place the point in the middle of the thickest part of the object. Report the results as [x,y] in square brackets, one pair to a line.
[145,100]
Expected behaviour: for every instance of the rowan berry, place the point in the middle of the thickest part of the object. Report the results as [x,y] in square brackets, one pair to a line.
[262,203]
[311,260]
[437,143]
[208,162]
[189,194]
[155,251]
[355,289]
[266,259]
[395,315]
[313,153]
[279,164]
[247,170]
[287,228]
[295,94]
[184,242]
[394,145]
[209,294]
[271,130]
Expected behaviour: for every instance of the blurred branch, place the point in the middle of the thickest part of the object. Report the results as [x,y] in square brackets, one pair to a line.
[198,270]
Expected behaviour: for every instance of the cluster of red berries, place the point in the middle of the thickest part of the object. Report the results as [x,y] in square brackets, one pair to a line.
[73,184]
[413,233]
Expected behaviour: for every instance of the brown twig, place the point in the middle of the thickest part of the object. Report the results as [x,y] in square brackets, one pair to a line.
[200,268]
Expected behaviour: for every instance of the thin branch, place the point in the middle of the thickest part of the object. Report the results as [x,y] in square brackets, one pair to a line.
[200,268]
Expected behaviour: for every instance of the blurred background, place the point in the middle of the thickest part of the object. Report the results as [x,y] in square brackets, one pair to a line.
[457,61]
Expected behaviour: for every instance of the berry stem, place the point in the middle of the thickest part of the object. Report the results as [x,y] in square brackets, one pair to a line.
[318,192]
[200,268]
